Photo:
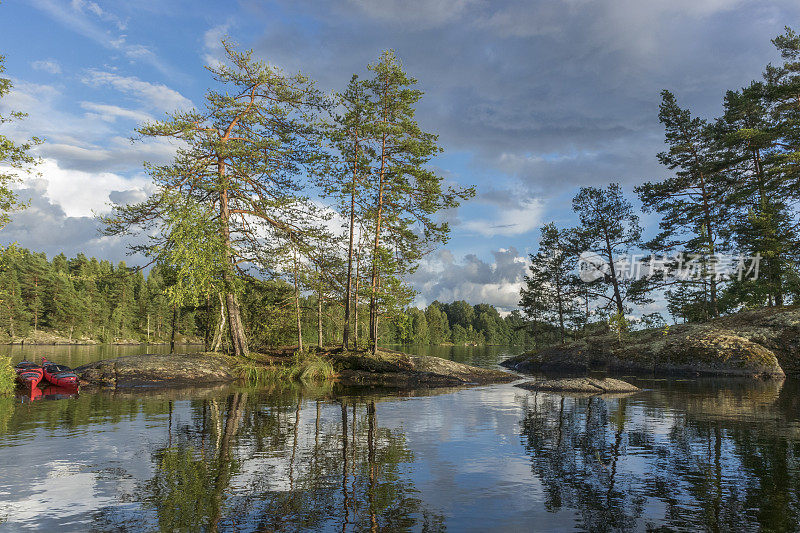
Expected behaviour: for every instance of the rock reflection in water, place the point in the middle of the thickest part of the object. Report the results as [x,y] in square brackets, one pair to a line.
[687,455]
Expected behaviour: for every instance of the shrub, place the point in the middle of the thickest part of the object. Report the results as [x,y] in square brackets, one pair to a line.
[7,376]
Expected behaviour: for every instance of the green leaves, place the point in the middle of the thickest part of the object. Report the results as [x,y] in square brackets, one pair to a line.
[13,154]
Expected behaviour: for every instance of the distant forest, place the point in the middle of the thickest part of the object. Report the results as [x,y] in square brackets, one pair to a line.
[86,298]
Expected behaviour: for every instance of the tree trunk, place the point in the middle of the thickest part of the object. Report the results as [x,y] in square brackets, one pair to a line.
[373,303]
[319,319]
[215,344]
[614,281]
[355,301]
[297,305]
[238,339]
[172,335]
[560,311]
[346,334]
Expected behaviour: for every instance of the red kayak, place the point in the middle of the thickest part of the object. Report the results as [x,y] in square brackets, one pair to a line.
[59,375]
[29,374]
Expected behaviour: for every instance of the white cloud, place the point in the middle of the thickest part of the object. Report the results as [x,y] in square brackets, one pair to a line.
[80,15]
[155,96]
[214,52]
[110,113]
[474,280]
[85,6]
[80,194]
[509,221]
[50,66]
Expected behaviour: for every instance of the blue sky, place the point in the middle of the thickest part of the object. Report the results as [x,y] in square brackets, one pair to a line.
[531,100]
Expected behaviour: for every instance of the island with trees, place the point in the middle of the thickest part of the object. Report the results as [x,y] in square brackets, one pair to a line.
[282,234]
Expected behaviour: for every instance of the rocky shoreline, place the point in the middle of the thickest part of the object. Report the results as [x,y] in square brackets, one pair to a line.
[757,344]
[387,369]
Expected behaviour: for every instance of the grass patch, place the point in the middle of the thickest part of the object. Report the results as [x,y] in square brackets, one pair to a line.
[8,377]
[302,366]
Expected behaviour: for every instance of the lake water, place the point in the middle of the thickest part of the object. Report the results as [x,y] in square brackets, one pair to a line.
[718,455]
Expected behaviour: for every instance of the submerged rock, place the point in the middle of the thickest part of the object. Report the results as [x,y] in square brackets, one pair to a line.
[586,385]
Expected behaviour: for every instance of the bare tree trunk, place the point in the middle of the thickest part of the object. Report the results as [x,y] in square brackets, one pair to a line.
[355,300]
[346,335]
[215,344]
[238,339]
[297,304]
[172,336]
[319,319]
[373,303]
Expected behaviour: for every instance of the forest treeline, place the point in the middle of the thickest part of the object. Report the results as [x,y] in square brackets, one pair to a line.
[86,298]
[729,207]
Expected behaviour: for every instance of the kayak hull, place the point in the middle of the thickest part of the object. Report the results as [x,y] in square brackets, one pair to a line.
[29,379]
[59,375]
[29,374]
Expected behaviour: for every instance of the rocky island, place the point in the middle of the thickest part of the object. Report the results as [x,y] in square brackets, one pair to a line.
[758,343]
[385,369]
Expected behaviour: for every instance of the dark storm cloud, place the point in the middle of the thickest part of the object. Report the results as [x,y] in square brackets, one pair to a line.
[555,93]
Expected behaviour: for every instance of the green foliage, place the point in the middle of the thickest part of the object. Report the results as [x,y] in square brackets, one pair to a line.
[609,229]
[553,292]
[194,252]
[14,156]
[7,376]
[82,297]
[619,325]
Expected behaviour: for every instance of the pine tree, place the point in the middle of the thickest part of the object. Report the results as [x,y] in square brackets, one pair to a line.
[244,153]
[610,229]
[552,286]
[759,196]
[407,194]
[346,181]
[691,202]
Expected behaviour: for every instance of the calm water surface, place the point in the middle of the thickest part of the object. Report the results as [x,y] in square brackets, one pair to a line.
[682,455]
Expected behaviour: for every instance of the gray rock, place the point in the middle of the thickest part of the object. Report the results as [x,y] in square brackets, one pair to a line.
[583,385]
[135,371]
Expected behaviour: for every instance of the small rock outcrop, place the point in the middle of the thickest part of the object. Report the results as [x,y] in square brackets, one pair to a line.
[401,370]
[582,385]
[153,371]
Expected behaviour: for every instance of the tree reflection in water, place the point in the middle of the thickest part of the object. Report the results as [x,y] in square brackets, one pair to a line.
[285,462]
[726,461]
